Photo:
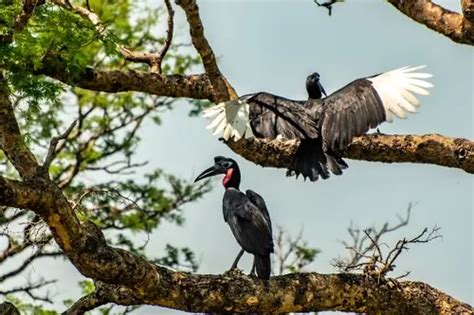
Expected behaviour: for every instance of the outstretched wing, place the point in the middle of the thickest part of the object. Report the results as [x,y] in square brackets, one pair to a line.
[262,115]
[366,103]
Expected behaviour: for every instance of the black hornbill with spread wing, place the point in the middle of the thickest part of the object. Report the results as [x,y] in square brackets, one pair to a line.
[324,126]
[246,214]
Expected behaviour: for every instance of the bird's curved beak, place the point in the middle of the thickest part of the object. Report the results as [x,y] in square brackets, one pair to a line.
[211,171]
[322,89]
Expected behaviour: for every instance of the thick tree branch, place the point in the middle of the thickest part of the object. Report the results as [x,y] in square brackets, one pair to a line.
[453,25]
[20,194]
[302,292]
[425,149]
[11,141]
[196,86]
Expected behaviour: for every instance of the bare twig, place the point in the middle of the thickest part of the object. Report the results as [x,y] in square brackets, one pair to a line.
[156,67]
[27,262]
[29,290]
[377,265]
[54,143]
[423,237]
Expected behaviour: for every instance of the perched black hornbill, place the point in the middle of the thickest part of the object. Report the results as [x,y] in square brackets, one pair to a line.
[246,214]
[325,126]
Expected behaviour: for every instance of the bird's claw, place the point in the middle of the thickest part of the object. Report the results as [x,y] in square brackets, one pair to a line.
[221,139]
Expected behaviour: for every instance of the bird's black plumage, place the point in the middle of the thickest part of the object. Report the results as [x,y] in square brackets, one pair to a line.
[246,214]
[348,112]
[324,126]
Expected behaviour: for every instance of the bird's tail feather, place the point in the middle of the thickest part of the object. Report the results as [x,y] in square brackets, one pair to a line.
[311,161]
[263,266]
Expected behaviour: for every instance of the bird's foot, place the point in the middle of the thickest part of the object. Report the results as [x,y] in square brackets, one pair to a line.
[221,139]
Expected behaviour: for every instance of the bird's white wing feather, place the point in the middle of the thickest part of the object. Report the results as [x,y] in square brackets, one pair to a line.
[396,89]
[231,119]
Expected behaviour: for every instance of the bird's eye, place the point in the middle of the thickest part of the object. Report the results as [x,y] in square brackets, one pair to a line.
[226,165]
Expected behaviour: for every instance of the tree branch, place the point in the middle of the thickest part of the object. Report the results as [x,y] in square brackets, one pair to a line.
[152,59]
[196,86]
[468,9]
[8,308]
[11,141]
[425,149]
[26,263]
[223,91]
[86,303]
[169,37]
[54,143]
[453,25]
[22,19]
[302,292]
[20,194]
[28,289]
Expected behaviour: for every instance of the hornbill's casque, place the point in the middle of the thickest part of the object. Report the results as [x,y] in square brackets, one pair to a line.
[246,214]
[324,126]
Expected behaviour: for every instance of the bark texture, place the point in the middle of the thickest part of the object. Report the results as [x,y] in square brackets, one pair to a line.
[192,86]
[457,27]
[301,292]
[425,149]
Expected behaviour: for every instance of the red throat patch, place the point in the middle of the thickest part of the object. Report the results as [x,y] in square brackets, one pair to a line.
[227,177]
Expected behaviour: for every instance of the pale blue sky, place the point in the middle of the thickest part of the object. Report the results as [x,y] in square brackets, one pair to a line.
[272,46]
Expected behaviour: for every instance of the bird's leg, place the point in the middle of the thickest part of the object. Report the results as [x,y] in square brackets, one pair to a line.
[236,261]
[254,265]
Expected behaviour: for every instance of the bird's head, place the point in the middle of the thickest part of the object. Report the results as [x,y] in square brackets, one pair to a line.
[314,87]
[226,166]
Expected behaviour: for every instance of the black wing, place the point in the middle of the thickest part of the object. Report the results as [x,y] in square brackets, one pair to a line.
[348,113]
[258,200]
[248,223]
[271,116]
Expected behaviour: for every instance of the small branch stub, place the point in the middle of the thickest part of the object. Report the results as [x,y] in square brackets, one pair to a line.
[54,142]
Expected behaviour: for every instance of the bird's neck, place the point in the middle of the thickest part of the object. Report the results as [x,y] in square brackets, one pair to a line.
[231,178]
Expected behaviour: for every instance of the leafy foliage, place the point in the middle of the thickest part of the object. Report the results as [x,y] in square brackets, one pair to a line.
[102,145]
